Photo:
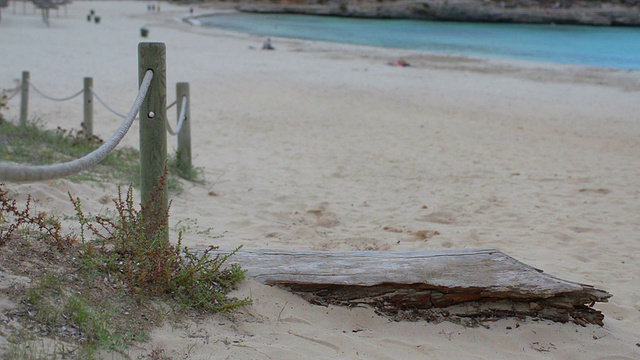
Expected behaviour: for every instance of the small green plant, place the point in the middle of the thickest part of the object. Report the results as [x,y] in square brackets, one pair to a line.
[132,249]
[3,103]
[12,219]
[185,171]
[43,298]
[40,349]
[4,97]
[58,310]
[92,320]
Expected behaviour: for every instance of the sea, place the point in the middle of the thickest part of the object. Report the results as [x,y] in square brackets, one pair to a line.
[599,46]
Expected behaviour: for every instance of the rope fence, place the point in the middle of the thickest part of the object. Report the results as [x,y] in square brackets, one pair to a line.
[15,91]
[16,172]
[87,125]
[105,104]
[52,98]
[116,113]
[181,118]
[150,104]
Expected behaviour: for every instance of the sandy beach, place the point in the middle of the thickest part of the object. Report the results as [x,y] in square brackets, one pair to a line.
[324,146]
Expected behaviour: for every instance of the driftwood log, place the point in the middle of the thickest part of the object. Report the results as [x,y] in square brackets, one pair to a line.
[467,286]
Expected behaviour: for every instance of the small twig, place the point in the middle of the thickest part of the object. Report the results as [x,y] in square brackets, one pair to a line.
[281,310]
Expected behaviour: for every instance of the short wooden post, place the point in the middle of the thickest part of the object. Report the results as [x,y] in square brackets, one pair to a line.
[153,132]
[184,136]
[24,98]
[87,124]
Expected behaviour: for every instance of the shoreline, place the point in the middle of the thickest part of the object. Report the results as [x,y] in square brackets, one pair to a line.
[194,21]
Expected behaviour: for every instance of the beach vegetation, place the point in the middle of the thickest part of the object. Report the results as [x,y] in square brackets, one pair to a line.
[104,286]
[108,285]
[3,103]
[131,248]
[186,171]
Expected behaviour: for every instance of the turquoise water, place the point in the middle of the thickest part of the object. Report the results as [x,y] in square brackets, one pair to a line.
[613,47]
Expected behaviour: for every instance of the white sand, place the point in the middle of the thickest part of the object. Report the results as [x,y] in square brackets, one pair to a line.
[323,146]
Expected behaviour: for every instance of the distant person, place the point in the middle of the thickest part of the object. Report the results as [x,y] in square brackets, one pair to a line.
[267,45]
[400,63]
[191,11]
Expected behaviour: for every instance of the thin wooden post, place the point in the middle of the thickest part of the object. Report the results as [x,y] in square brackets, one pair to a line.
[87,124]
[153,132]
[184,136]
[24,98]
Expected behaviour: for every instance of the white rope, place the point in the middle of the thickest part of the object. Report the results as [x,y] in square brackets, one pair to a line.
[181,119]
[105,104]
[115,112]
[16,172]
[52,98]
[173,103]
[15,91]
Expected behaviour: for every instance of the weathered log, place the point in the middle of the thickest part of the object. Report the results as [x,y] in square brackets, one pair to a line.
[458,285]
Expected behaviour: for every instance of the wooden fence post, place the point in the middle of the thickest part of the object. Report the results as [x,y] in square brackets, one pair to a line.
[24,98]
[153,132]
[184,136]
[87,124]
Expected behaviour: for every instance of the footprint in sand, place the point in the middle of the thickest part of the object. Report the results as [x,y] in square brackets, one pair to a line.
[595,191]
[321,342]
[581,230]
[322,217]
[295,320]
[439,217]
[423,235]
